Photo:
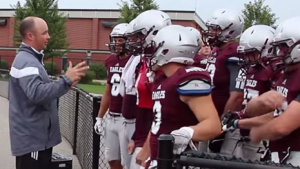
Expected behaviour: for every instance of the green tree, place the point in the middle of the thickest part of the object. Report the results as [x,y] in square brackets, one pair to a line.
[129,12]
[48,10]
[257,13]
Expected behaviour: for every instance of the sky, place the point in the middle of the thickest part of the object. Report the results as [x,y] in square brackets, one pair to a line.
[283,9]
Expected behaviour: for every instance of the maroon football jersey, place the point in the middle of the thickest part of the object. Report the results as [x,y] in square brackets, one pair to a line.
[217,67]
[200,61]
[170,113]
[258,81]
[129,106]
[114,66]
[288,85]
[143,124]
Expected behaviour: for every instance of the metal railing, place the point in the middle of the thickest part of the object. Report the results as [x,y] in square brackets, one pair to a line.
[77,112]
[195,159]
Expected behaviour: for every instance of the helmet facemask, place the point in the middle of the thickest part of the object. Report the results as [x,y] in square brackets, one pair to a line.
[133,43]
[283,54]
[137,40]
[117,45]
[213,35]
[149,54]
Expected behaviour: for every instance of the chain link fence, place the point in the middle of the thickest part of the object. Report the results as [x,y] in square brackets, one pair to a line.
[77,112]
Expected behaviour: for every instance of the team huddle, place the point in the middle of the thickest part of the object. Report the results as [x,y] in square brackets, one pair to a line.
[241,100]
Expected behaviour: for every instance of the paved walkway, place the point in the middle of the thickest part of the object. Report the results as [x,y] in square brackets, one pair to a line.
[6,160]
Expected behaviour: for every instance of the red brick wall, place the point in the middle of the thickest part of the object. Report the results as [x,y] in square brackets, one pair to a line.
[79,33]
[184,23]
[5,36]
[104,35]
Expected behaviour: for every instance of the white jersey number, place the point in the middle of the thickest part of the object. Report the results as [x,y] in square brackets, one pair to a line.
[157,120]
[115,81]
[211,68]
[249,94]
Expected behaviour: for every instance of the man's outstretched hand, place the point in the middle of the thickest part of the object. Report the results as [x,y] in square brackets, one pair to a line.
[77,72]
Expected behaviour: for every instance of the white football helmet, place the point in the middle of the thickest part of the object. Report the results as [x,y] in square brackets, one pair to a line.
[257,38]
[197,35]
[286,43]
[130,38]
[224,25]
[173,43]
[148,24]
[118,32]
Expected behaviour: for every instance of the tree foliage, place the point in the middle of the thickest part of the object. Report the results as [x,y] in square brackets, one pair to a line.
[257,13]
[131,11]
[47,10]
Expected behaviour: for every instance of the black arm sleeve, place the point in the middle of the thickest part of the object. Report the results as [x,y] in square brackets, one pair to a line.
[237,81]
[133,136]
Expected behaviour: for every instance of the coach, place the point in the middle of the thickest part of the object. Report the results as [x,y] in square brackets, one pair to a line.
[33,112]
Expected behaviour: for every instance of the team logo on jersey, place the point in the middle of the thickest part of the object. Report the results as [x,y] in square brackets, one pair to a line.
[282,90]
[156,95]
[116,69]
[284,82]
[159,87]
[251,83]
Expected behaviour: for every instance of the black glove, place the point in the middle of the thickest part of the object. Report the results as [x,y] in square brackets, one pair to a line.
[231,115]
[230,121]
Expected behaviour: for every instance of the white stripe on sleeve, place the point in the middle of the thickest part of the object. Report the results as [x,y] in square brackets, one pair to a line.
[28,71]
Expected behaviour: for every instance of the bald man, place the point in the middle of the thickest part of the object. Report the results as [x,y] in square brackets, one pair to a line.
[33,111]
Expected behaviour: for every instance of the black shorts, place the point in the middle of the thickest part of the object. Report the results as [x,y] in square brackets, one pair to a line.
[35,160]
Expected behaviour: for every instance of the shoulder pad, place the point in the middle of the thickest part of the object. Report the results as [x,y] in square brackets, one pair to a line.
[194,87]
[233,60]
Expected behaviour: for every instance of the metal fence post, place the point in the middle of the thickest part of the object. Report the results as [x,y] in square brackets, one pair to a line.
[76,122]
[64,63]
[96,137]
[165,151]
[88,57]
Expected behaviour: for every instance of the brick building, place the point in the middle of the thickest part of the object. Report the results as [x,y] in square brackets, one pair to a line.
[87,30]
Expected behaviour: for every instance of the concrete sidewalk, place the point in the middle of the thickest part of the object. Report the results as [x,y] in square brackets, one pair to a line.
[6,160]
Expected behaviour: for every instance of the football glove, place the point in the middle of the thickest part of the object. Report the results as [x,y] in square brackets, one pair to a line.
[230,121]
[182,138]
[99,126]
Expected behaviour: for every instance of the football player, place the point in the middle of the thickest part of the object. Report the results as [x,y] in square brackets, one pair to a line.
[128,91]
[146,26]
[182,99]
[112,99]
[228,83]
[283,130]
[256,49]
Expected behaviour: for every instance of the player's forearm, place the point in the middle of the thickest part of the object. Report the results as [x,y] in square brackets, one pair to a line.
[255,121]
[256,107]
[104,105]
[234,103]
[206,130]
[146,146]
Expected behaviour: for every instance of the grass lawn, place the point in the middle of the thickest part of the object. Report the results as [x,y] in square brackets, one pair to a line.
[98,89]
